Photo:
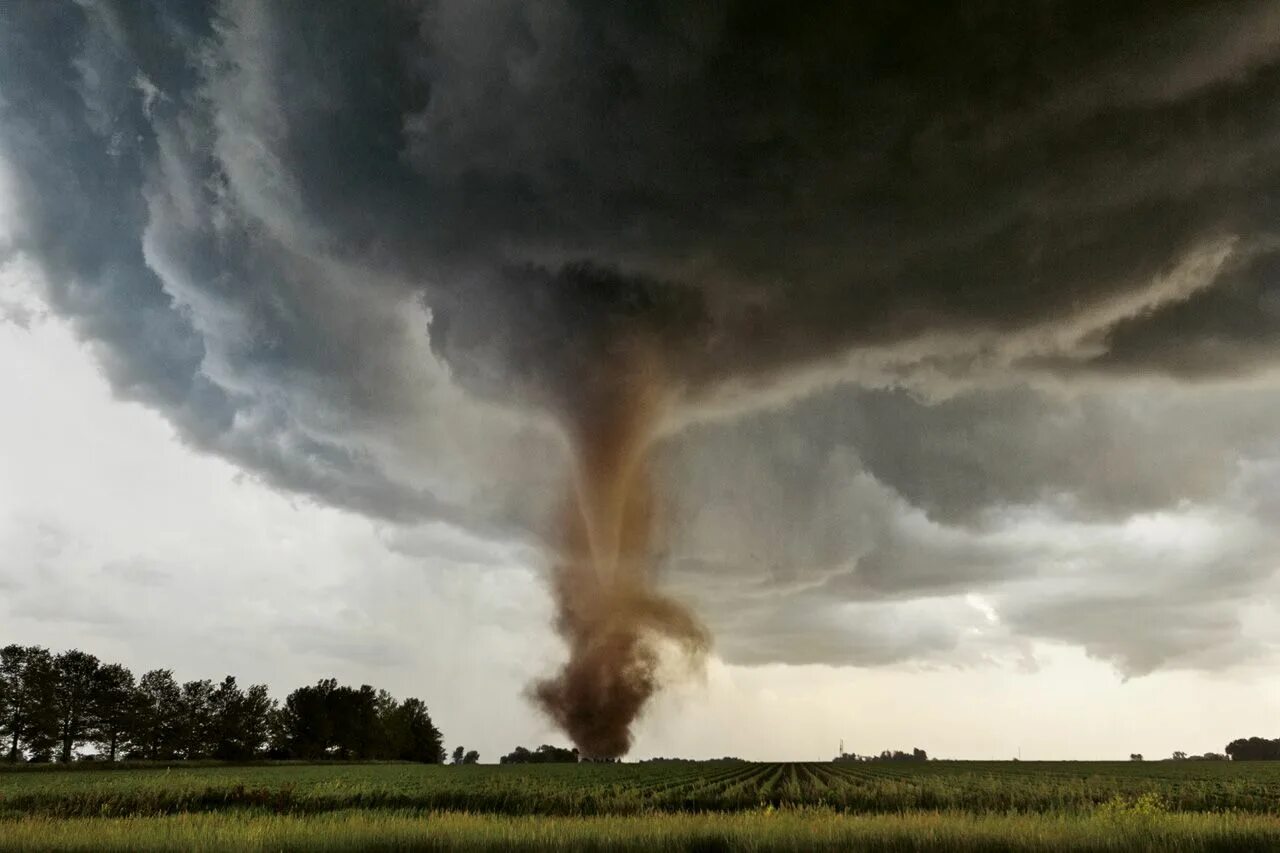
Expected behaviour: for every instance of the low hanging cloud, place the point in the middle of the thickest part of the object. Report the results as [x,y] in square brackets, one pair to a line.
[946,304]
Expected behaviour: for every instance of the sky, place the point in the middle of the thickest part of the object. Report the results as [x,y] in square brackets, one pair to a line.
[969,344]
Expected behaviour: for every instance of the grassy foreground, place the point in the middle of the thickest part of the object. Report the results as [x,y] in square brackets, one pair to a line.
[782,830]
[966,806]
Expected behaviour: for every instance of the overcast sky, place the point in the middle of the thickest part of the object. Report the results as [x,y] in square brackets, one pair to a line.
[973,344]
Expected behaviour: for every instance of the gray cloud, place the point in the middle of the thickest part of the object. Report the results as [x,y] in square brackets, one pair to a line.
[368,252]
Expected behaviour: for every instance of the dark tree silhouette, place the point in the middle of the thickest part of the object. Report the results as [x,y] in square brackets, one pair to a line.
[1254,749]
[545,754]
[158,717]
[458,753]
[52,706]
[304,726]
[111,713]
[472,757]
[916,754]
[240,720]
[75,677]
[30,725]
[412,734]
[329,721]
[196,724]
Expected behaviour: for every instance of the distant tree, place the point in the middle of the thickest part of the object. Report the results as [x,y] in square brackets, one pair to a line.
[414,736]
[76,676]
[916,754]
[158,717]
[27,681]
[1179,755]
[50,706]
[10,688]
[1254,749]
[519,755]
[357,724]
[341,722]
[196,727]
[111,709]
[545,754]
[458,754]
[255,720]
[304,727]
[224,718]
[1135,756]
[240,720]
[472,757]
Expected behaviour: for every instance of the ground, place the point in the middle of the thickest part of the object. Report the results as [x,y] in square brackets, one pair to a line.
[934,805]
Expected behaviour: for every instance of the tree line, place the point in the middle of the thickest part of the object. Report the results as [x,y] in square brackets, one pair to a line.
[545,754]
[1254,749]
[72,705]
[916,754]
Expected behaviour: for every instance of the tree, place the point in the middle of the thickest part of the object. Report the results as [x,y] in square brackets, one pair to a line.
[303,725]
[239,720]
[1135,756]
[412,734]
[50,706]
[328,720]
[458,754]
[255,720]
[12,658]
[471,757]
[356,725]
[196,726]
[1253,749]
[519,755]
[76,676]
[545,754]
[27,682]
[157,717]
[111,709]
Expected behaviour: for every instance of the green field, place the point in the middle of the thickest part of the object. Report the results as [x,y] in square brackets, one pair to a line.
[928,806]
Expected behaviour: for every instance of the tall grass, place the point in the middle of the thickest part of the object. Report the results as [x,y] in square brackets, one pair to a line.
[757,830]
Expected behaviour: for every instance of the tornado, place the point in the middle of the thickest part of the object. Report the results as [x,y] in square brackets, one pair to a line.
[608,610]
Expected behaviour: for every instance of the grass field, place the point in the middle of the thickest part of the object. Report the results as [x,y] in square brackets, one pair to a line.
[927,806]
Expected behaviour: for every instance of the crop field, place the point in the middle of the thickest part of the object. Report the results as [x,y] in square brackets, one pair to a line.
[933,805]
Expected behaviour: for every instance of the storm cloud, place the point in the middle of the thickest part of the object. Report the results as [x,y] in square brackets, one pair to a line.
[949,305]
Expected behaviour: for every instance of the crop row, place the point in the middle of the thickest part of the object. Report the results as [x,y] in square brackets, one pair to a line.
[631,789]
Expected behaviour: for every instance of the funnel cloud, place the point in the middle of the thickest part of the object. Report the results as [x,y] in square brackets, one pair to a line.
[830,317]
[608,609]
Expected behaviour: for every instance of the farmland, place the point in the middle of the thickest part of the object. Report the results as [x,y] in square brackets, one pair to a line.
[926,805]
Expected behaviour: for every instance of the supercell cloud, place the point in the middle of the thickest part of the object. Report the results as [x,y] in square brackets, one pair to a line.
[983,302]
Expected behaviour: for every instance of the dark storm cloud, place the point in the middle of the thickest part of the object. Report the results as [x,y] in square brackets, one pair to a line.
[756,187]
[300,231]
